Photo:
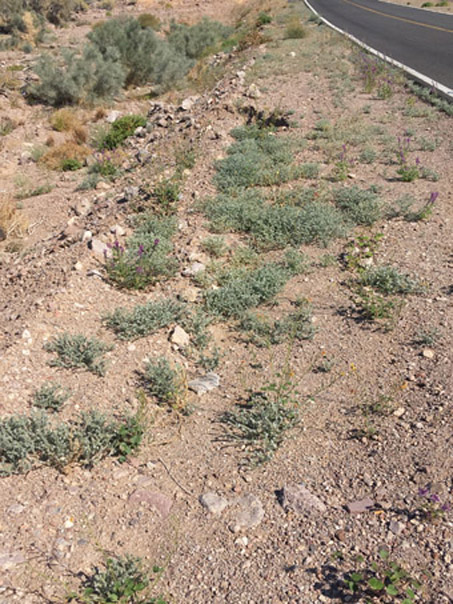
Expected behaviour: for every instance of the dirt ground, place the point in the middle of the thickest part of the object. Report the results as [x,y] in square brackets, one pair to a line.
[375,397]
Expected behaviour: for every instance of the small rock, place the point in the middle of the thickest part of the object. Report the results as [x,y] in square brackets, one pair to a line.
[341,535]
[190,294]
[250,515]
[130,193]
[215,504]
[140,132]
[143,156]
[180,337]
[159,501]
[357,507]
[253,92]
[188,103]
[113,116]
[292,54]
[118,230]
[87,236]
[103,186]
[83,207]
[242,541]
[16,508]
[399,412]
[9,560]
[99,248]
[396,527]
[78,266]
[297,498]
[193,269]
[204,384]
[428,353]
[2,234]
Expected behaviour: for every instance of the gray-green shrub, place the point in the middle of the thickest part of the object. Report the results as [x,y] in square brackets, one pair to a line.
[75,351]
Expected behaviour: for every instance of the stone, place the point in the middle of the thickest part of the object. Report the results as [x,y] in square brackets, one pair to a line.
[399,412]
[78,266]
[205,384]
[83,207]
[16,508]
[158,501]
[143,156]
[113,116]
[250,514]
[180,337]
[297,498]
[118,230]
[396,527]
[428,353]
[215,504]
[188,103]
[87,236]
[253,91]
[130,193]
[193,269]
[103,186]
[2,234]
[99,248]
[140,132]
[190,294]
[360,506]
[9,560]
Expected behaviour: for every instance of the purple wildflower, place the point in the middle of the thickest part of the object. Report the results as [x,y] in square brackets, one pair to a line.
[141,250]
[423,491]
[139,269]
[432,198]
[435,498]
[156,242]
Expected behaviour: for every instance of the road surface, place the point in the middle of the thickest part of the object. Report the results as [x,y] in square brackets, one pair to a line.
[420,39]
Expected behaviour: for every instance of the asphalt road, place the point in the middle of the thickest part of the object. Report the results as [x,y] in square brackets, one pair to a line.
[420,39]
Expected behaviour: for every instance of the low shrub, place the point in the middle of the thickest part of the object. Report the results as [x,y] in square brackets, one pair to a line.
[147,255]
[193,41]
[69,156]
[246,290]
[26,442]
[144,319]
[50,397]
[388,280]
[77,351]
[295,29]
[149,20]
[121,129]
[359,206]
[164,382]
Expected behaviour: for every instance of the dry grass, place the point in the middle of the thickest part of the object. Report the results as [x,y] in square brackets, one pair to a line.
[67,120]
[13,222]
[55,156]
[247,11]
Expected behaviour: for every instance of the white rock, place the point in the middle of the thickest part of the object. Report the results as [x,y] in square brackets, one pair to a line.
[180,337]
[193,269]
[118,230]
[204,384]
[113,116]
[215,504]
[428,353]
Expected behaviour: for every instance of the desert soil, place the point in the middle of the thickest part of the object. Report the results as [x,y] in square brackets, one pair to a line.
[54,526]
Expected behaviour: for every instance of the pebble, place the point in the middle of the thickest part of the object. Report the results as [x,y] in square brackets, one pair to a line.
[250,515]
[428,353]
[215,504]
[362,505]
[399,412]
[204,384]
[157,500]
[193,269]
[297,498]
[9,560]
[396,527]
[180,337]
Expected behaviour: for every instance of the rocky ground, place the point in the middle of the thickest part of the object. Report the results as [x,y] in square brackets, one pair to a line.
[369,465]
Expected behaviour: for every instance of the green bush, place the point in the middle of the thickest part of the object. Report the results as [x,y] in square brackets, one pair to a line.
[147,255]
[388,280]
[194,41]
[76,77]
[359,206]
[246,290]
[162,381]
[50,397]
[77,351]
[275,226]
[144,319]
[26,442]
[255,160]
[71,165]
[121,129]
[148,20]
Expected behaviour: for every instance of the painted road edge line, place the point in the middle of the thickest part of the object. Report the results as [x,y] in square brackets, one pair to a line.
[440,88]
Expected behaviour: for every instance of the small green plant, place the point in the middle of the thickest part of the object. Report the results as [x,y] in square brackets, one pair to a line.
[295,29]
[372,305]
[263,18]
[360,206]
[27,442]
[245,291]
[382,581]
[165,195]
[121,129]
[71,165]
[144,319]
[50,397]
[148,20]
[214,246]
[360,252]
[166,384]
[147,256]
[76,351]
[122,581]
[428,336]
[388,280]
[261,423]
